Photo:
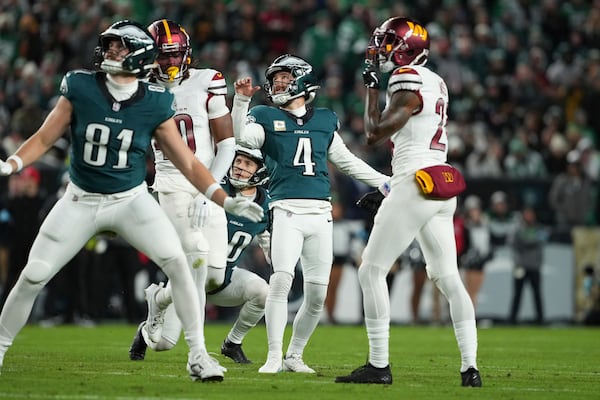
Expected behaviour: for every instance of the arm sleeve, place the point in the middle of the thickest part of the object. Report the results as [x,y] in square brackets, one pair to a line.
[248,134]
[223,158]
[349,164]
[217,107]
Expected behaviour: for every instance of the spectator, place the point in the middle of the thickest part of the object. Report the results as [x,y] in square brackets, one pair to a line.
[502,220]
[479,249]
[528,259]
[571,195]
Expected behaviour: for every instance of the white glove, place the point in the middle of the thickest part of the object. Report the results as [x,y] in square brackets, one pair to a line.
[5,168]
[244,208]
[199,212]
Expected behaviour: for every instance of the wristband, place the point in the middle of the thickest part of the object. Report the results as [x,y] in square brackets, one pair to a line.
[211,190]
[18,160]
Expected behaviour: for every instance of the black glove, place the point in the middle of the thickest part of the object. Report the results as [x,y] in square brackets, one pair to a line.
[371,201]
[371,77]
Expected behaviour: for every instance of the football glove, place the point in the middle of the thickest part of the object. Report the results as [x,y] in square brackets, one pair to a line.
[244,208]
[199,212]
[371,201]
[371,77]
[5,168]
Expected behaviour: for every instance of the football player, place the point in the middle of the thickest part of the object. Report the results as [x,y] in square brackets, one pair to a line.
[240,287]
[414,118]
[297,141]
[113,116]
[204,122]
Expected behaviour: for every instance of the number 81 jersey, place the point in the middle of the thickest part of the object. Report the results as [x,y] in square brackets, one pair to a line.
[110,139]
[422,141]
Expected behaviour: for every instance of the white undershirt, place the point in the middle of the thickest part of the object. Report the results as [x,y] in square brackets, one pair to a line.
[121,91]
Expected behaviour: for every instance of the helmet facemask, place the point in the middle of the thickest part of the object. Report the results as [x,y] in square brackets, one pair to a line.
[398,42]
[237,169]
[173,42]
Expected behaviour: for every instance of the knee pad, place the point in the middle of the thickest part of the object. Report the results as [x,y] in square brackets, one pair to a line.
[280,285]
[367,273]
[37,272]
[256,293]
[174,266]
[448,284]
[196,248]
[314,296]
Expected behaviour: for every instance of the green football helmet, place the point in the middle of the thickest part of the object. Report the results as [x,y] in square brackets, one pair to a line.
[142,49]
[303,85]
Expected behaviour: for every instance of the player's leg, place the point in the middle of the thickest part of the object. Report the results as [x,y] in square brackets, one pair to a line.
[316,260]
[286,245]
[249,290]
[438,244]
[144,215]
[60,237]
[399,218]
[215,233]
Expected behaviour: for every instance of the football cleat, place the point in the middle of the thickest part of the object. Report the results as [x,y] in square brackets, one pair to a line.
[205,368]
[272,366]
[137,351]
[235,352]
[368,374]
[471,378]
[156,316]
[294,363]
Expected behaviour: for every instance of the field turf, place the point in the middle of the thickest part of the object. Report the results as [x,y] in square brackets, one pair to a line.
[70,362]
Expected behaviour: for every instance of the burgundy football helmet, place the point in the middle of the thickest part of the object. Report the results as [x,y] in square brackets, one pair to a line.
[396,42]
[171,40]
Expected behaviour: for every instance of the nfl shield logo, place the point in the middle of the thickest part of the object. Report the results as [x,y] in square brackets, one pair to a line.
[116,106]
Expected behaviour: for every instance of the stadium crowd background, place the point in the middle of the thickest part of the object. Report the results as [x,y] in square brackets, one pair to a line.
[523,76]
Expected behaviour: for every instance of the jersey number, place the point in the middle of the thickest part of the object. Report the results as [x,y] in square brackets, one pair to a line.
[437,143]
[95,149]
[186,128]
[303,156]
[237,244]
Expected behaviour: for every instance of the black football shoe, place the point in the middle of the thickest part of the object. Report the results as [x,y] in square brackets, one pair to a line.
[137,351]
[368,374]
[471,378]
[235,352]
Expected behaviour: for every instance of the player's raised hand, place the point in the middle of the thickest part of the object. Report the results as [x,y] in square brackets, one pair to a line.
[244,87]
[244,208]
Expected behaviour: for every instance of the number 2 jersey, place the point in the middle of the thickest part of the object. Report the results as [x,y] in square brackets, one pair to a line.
[423,140]
[192,117]
[109,138]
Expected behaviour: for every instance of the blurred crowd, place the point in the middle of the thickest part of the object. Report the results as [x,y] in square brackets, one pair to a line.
[523,76]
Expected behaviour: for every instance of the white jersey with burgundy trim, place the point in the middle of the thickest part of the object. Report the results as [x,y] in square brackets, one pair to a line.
[422,141]
[192,116]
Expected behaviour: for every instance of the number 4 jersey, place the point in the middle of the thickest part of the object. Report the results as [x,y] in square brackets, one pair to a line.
[109,138]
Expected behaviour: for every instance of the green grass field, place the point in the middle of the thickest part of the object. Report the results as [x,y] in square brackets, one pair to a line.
[70,362]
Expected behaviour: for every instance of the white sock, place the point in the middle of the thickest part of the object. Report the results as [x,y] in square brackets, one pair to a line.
[307,317]
[466,337]
[376,303]
[276,312]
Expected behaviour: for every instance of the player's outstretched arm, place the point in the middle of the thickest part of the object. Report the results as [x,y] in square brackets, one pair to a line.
[169,140]
[42,140]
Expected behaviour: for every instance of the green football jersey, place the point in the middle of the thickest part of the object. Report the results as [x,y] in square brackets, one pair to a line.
[295,151]
[109,139]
